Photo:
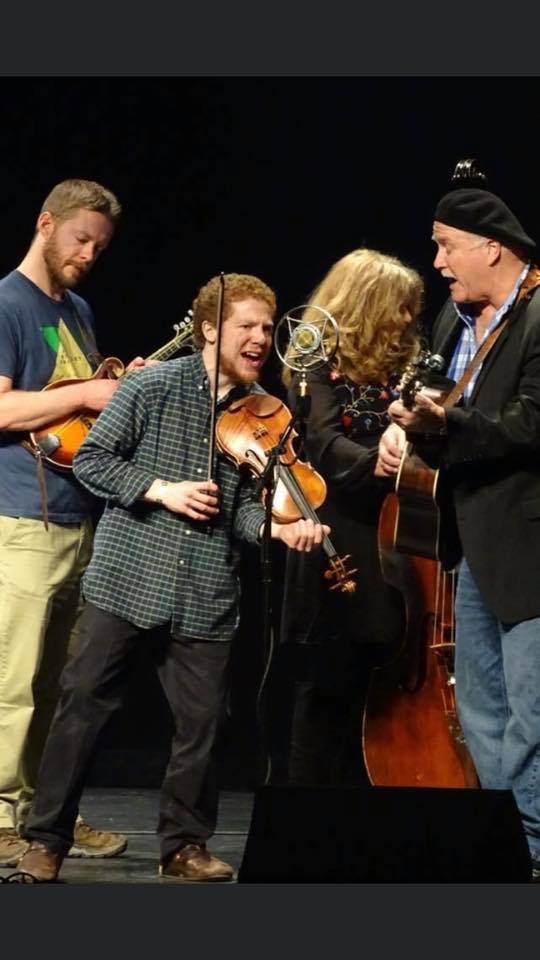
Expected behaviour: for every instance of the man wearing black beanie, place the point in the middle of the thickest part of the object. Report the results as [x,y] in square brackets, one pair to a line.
[489,485]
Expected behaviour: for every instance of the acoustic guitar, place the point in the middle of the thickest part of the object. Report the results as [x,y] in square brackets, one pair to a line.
[417,518]
[57,442]
[417,521]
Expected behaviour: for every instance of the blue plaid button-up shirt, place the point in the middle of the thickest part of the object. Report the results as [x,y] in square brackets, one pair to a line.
[151,566]
[467,345]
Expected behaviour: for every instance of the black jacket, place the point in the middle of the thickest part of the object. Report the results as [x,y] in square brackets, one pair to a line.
[341,442]
[489,484]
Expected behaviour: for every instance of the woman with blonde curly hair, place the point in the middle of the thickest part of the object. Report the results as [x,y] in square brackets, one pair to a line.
[375,300]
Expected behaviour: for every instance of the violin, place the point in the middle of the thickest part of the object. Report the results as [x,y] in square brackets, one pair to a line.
[246,432]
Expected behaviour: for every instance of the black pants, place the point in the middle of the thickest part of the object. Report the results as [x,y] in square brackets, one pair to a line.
[328,705]
[192,673]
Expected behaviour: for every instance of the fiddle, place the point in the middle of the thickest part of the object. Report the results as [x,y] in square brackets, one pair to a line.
[246,432]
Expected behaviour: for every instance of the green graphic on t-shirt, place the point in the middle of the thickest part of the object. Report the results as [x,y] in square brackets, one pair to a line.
[71,362]
[52,338]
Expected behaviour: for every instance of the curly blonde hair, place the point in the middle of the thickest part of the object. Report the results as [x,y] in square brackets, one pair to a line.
[237,286]
[368,294]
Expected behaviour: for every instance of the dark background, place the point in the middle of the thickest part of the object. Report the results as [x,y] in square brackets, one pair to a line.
[273,176]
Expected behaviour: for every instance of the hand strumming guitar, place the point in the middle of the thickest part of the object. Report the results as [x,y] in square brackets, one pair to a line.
[391,446]
[425,416]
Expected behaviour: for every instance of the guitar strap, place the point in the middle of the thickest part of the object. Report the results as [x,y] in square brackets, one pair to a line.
[37,453]
[455,393]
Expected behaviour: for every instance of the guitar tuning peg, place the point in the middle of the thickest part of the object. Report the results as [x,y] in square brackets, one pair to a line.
[187,319]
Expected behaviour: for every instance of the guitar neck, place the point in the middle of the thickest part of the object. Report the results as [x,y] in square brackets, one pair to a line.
[170,348]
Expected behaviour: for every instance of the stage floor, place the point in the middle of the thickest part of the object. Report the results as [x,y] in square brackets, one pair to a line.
[134,812]
[323,835]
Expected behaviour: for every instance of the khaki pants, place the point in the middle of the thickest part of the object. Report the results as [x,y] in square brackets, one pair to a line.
[40,574]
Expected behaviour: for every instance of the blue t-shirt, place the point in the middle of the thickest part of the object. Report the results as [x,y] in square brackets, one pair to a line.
[41,340]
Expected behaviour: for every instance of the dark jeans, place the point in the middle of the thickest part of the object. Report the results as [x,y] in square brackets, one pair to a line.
[498,699]
[192,673]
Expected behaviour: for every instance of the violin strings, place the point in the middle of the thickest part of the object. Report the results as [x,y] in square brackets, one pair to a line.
[297,494]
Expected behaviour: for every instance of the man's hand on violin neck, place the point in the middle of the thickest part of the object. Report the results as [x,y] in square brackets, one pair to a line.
[300,535]
[197,499]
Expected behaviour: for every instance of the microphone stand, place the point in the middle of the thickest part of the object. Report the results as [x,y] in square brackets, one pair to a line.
[302,409]
[267,483]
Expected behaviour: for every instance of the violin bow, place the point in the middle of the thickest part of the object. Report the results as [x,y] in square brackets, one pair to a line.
[219,324]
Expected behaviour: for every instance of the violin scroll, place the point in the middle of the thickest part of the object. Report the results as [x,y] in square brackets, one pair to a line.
[338,571]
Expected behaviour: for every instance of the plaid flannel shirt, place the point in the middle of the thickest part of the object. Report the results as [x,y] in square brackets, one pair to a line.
[467,345]
[151,566]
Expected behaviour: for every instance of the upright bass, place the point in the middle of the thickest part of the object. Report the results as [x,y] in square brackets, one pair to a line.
[411,733]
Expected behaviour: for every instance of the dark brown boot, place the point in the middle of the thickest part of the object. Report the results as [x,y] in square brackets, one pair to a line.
[40,862]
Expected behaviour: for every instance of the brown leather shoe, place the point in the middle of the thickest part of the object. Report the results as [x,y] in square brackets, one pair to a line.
[12,847]
[40,862]
[194,863]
